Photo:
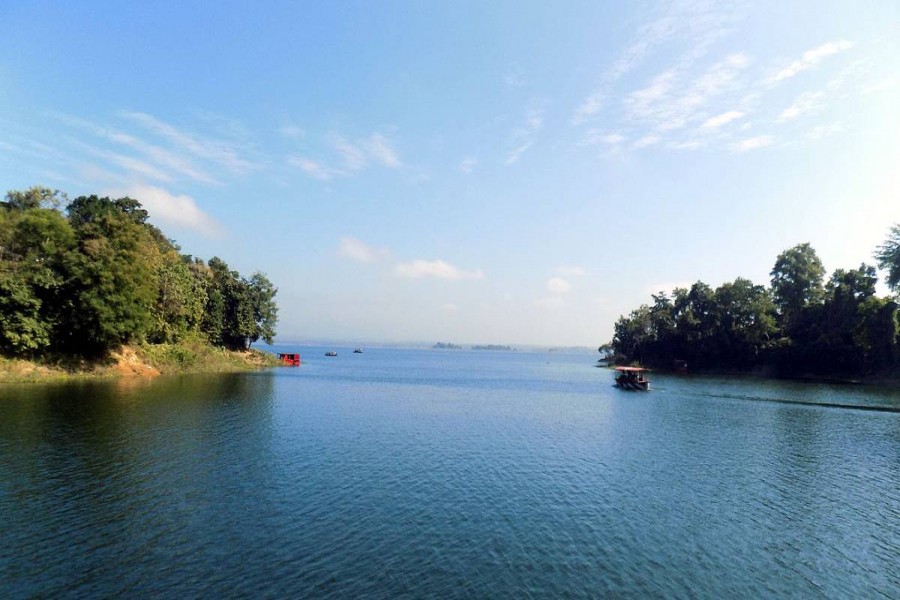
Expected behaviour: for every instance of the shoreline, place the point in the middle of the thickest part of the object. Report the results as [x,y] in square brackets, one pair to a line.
[142,361]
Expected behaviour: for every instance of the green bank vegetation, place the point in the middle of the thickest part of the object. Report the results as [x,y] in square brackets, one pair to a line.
[801,325]
[87,281]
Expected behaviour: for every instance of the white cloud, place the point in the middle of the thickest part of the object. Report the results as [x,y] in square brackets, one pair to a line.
[354,156]
[598,136]
[807,102]
[169,209]
[760,141]
[313,168]
[591,106]
[523,136]
[382,151]
[811,58]
[558,285]
[439,269]
[570,271]
[672,100]
[723,119]
[468,164]
[449,307]
[357,250]
[647,140]
[226,154]
[685,145]
[516,153]
[165,162]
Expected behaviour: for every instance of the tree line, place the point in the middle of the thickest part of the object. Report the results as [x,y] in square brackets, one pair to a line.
[801,324]
[82,277]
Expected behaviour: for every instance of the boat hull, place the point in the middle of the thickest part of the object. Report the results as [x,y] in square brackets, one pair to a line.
[638,386]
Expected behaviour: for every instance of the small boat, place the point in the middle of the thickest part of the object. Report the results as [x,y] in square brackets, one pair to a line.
[632,378]
[289,359]
[332,353]
[357,351]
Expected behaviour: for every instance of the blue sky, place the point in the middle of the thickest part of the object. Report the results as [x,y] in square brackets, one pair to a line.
[493,172]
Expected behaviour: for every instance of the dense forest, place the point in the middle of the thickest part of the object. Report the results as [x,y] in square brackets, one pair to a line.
[82,277]
[802,324]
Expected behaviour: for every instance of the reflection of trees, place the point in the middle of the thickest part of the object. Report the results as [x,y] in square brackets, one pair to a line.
[99,476]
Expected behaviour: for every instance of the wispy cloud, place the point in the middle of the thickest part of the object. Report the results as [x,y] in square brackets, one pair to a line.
[523,136]
[806,103]
[811,58]
[313,168]
[353,156]
[438,269]
[597,136]
[695,24]
[171,209]
[647,140]
[468,164]
[760,141]
[673,99]
[354,249]
[723,119]
[226,154]
[558,285]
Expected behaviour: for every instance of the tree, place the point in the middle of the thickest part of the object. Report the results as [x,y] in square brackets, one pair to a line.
[888,257]
[35,197]
[797,281]
[112,283]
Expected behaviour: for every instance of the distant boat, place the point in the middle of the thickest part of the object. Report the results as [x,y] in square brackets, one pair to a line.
[632,378]
[332,353]
[357,351]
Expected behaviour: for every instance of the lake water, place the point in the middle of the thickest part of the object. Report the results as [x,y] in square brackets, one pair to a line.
[448,474]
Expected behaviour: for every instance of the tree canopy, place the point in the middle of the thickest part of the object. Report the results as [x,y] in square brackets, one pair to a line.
[802,324]
[98,275]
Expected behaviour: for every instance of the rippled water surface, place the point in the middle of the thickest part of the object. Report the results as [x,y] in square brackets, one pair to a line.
[450,474]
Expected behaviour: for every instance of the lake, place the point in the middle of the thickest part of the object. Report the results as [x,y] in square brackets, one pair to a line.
[449,474]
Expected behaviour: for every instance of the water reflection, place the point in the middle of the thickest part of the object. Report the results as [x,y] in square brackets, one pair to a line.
[421,474]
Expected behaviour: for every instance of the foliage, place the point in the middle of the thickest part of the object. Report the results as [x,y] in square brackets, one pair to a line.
[888,257]
[101,276]
[798,326]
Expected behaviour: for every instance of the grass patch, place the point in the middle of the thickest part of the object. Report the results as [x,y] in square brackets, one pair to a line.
[139,360]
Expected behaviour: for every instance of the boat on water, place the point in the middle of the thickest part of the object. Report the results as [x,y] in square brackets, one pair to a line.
[632,378]
[357,351]
[331,353]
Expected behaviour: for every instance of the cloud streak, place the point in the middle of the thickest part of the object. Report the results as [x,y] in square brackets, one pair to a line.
[437,269]
[354,249]
[811,58]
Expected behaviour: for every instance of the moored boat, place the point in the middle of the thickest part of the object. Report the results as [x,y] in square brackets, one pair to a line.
[331,353]
[632,378]
[357,351]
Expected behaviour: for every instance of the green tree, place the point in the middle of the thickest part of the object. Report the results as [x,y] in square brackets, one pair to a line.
[112,283]
[888,257]
[35,197]
[797,281]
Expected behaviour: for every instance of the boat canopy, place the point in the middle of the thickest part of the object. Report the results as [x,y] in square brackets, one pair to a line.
[632,369]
